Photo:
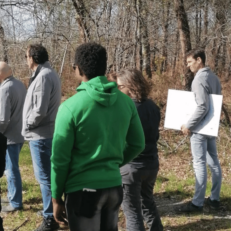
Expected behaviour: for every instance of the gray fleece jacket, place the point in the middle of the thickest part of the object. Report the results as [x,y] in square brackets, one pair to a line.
[41,104]
[205,83]
[12,96]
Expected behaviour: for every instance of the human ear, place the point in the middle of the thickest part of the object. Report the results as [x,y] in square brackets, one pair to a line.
[80,71]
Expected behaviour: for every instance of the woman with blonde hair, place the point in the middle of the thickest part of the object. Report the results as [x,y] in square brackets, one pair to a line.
[139,176]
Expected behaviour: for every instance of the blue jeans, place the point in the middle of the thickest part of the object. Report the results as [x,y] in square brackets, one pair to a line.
[138,201]
[41,153]
[204,150]
[13,176]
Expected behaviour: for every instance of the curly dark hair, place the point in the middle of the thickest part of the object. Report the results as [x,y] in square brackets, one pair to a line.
[135,81]
[38,53]
[91,59]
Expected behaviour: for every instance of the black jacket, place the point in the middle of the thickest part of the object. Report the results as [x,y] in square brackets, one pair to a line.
[149,114]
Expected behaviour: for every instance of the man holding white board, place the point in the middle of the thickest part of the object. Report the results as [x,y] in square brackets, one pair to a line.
[203,147]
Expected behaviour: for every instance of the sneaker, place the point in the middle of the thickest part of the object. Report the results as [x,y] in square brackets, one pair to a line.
[49,224]
[4,200]
[40,213]
[189,208]
[9,208]
[213,204]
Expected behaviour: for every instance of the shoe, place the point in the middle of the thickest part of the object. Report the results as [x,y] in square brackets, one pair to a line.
[4,200]
[49,224]
[213,204]
[40,213]
[9,208]
[189,208]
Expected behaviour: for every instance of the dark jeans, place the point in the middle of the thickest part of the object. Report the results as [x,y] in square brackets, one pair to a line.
[1,223]
[94,211]
[138,202]
[3,146]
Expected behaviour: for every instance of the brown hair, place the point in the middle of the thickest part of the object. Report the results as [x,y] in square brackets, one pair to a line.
[197,53]
[112,76]
[135,81]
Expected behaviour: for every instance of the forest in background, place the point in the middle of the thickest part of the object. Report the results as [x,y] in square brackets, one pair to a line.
[151,35]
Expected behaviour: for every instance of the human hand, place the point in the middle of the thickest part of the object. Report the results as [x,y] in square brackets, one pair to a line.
[185,130]
[59,212]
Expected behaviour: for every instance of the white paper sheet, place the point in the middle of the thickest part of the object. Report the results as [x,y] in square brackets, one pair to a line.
[180,107]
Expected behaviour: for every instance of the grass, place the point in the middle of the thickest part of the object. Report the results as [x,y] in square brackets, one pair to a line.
[175,183]
[32,201]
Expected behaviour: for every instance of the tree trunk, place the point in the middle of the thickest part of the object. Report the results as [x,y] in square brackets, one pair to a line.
[4,44]
[164,52]
[81,19]
[221,20]
[145,46]
[185,40]
[175,54]
[196,22]
[228,67]
[199,27]
[206,21]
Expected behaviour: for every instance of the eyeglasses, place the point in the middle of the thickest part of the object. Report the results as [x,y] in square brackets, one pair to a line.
[120,86]
[74,66]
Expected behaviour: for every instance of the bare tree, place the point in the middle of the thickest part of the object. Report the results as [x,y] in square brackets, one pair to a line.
[82,19]
[166,19]
[185,40]
[4,44]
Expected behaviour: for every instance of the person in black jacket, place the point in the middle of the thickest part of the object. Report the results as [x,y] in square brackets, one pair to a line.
[139,176]
[3,146]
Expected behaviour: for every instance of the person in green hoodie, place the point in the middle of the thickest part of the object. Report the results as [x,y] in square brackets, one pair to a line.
[97,131]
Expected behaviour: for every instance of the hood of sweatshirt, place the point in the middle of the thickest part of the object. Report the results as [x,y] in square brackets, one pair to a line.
[100,90]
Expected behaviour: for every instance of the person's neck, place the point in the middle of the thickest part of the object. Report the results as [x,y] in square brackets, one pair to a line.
[201,67]
[3,79]
[35,66]
[84,78]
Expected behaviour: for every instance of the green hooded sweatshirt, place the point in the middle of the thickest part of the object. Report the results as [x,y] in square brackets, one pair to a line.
[97,131]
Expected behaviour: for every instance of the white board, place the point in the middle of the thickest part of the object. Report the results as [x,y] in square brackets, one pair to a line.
[180,107]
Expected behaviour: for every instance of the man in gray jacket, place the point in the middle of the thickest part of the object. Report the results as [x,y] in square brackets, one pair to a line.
[39,113]
[12,95]
[203,147]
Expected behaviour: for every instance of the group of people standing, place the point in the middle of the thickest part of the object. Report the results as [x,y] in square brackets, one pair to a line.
[29,115]
[99,148]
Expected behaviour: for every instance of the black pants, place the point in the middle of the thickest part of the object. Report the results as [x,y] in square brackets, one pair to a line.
[94,211]
[3,146]
[138,201]
[1,223]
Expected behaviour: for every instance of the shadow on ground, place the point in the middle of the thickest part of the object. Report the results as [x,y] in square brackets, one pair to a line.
[173,194]
[33,201]
[203,224]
